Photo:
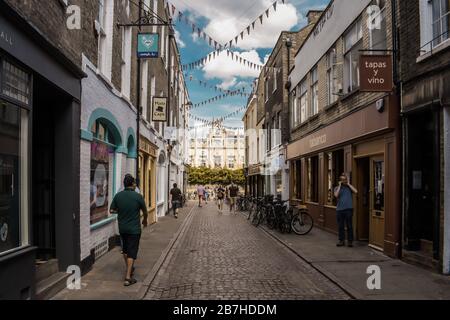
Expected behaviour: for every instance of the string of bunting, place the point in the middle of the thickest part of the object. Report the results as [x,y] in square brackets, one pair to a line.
[221,97]
[205,84]
[219,120]
[212,55]
[251,27]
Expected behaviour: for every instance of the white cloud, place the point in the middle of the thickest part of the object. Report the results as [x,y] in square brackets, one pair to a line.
[225,68]
[227,18]
[227,84]
[180,42]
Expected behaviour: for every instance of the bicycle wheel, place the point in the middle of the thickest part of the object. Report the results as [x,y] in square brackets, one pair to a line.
[255,217]
[261,216]
[302,223]
[271,219]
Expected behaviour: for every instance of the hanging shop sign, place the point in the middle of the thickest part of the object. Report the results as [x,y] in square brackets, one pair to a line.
[148,44]
[376,73]
[159,112]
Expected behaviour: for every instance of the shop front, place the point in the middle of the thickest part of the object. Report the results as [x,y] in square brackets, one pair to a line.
[255,181]
[426,206]
[39,115]
[364,145]
[147,175]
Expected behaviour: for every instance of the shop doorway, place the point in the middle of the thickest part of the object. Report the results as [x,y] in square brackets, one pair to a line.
[423,179]
[43,176]
[370,201]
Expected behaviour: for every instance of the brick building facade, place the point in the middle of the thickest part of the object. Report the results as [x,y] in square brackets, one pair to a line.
[424,73]
[336,128]
[78,105]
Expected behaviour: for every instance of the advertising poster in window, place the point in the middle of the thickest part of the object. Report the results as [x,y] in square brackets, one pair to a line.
[99,197]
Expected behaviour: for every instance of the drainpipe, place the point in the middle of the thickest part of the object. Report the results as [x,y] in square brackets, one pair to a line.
[138,103]
[169,99]
[446,238]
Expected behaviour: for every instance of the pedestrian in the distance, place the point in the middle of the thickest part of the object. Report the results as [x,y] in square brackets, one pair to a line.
[128,204]
[201,194]
[344,210]
[233,192]
[176,198]
[220,197]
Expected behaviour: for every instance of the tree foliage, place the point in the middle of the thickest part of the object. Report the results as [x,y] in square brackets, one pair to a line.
[205,176]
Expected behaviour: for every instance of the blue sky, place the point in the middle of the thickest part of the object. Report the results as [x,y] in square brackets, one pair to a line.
[223,20]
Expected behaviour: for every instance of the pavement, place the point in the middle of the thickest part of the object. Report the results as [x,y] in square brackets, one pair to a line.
[347,267]
[105,280]
[207,255]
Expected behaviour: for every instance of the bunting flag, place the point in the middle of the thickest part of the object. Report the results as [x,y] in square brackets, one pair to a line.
[205,84]
[215,54]
[261,19]
[239,92]
[209,122]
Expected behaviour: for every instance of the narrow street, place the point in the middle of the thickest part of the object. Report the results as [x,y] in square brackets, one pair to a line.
[225,257]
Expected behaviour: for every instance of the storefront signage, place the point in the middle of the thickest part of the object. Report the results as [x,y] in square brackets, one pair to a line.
[159,113]
[326,16]
[318,141]
[376,73]
[5,37]
[148,45]
[147,147]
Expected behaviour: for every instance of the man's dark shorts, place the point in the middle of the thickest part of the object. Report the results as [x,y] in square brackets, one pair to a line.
[130,245]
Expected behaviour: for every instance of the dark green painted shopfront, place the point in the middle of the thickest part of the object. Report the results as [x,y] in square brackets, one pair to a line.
[39,157]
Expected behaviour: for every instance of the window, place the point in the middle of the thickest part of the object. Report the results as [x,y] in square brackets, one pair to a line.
[14,184]
[294,111]
[102,161]
[440,20]
[334,162]
[266,91]
[126,61]
[16,83]
[297,179]
[352,45]
[217,161]
[275,80]
[314,92]
[313,179]
[377,36]
[332,77]
[303,102]
[105,31]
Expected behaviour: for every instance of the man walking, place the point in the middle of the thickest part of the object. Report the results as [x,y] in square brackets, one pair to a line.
[344,210]
[201,194]
[233,192]
[176,198]
[128,204]
[220,197]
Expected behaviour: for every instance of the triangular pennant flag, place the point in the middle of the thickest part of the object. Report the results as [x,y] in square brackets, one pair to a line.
[275,6]
[248,30]
[267,13]
[242,35]
[204,36]
[173,10]
[210,40]
[253,25]
[180,15]
[236,39]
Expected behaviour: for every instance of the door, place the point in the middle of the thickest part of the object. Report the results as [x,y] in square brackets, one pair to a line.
[376,208]
[363,199]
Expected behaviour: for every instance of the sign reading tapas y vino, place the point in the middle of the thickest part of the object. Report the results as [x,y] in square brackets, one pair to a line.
[376,73]
[159,112]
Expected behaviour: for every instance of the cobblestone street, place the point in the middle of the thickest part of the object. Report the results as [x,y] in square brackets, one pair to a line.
[225,257]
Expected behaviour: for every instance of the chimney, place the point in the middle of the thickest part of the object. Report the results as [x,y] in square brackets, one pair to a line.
[313,16]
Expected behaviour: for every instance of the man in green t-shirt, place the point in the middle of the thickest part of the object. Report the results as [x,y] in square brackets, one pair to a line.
[128,205]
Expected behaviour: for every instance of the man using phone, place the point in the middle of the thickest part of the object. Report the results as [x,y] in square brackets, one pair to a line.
[344,210]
